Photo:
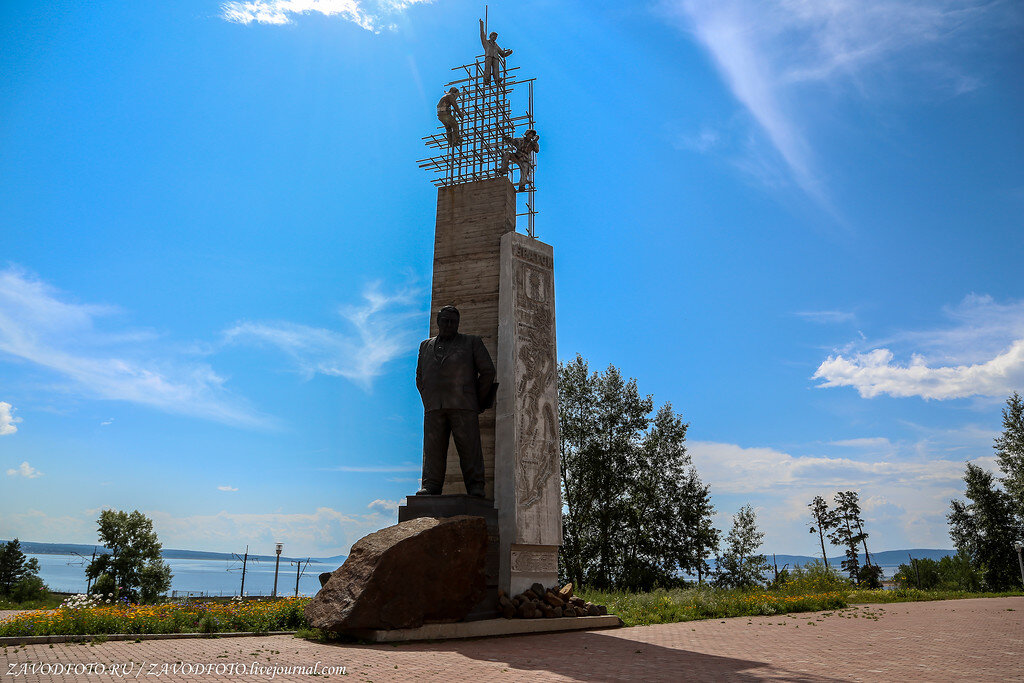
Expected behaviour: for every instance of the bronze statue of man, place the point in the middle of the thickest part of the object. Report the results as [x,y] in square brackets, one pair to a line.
[520,155]
[493,55]
[446,106]
[455,378]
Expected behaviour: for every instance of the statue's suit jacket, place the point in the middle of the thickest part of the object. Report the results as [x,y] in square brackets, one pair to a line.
[460,380]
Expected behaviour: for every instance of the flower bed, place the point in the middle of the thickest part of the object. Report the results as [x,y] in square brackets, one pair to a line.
[90,616]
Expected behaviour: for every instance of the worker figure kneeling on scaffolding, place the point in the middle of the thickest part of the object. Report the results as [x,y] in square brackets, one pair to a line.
[520,154]
[448,104]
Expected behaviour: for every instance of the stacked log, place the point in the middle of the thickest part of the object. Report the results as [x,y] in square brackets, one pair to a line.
[539,602]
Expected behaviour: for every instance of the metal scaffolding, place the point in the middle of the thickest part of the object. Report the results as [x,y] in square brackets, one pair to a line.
[487,121]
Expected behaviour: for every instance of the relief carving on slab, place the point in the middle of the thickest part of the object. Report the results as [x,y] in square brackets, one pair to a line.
[537,456]
[534,561]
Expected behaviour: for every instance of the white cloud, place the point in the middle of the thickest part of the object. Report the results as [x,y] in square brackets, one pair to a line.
[226,488]
[905,488]
[8,423]
[874,374]
[40,325]
[735,469]
[983,349]
[324,531]
[701,142]
[864,442]
[773,54]
[826,317]
[24,470]
[384,505]
[107,423]
[384,328]
[369,14]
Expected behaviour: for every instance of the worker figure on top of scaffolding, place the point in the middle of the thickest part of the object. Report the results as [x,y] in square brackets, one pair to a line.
[521,151]
[445,106]
[492,56]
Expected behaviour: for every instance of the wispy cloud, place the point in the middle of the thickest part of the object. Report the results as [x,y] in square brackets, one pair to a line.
[24,470]
[384,505]
[8,423]
[980,354]
[827,317]
[774,55]
[373,468]
[40,325]
[372,15]
[227,488]
[863,442]
[383,328]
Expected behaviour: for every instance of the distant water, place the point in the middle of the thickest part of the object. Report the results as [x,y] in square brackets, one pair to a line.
[66,574]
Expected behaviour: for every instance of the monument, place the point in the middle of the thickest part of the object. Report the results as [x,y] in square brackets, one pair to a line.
[491,477]
[502,282]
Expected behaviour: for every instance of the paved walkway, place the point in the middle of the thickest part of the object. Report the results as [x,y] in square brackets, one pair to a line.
[956,640]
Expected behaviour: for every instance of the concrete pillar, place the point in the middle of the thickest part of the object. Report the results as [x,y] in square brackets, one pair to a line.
[527,482]
[471,219]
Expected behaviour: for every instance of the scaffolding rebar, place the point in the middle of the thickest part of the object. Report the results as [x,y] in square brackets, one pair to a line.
[487,122]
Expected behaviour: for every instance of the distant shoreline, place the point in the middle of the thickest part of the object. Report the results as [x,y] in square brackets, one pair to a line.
[36,548]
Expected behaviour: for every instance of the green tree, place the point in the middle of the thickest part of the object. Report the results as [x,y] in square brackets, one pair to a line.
[636,511]
[822,522]
[18,574]
[602,419]
[1009,447]
[695,520]
[739,566]
[983,529]
[848,532]
[133,569]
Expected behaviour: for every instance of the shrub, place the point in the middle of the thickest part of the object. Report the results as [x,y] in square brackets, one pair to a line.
[951,573]
[815,577]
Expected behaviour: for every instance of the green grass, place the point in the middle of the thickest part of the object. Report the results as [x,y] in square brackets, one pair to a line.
[50,601]
[915,595]
[703,602]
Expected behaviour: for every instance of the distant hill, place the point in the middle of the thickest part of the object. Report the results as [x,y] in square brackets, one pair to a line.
[888,558]
[34,548]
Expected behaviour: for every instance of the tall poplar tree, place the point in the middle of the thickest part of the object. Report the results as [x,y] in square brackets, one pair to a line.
[823,521]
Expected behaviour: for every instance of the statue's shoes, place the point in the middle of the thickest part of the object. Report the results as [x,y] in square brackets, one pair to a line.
[478,493]
[428,492]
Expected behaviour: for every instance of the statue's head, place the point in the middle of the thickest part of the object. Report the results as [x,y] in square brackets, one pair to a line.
[531,133]
[448,321]
[494,35]
[453,90]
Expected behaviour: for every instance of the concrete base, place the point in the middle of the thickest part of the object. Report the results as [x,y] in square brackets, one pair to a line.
[487,628]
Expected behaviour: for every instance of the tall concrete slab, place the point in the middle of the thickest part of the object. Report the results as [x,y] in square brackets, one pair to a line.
[471,220]
[527,481]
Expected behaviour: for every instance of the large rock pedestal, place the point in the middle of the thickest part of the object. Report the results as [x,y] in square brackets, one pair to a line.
[456,505]
[421,570]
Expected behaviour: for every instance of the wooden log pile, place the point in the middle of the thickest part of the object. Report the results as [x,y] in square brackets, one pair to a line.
[539,602]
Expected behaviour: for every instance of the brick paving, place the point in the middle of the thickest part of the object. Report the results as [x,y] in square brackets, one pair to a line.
[956,640]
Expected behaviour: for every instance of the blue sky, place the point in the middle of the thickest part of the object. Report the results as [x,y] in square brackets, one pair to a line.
[799,222]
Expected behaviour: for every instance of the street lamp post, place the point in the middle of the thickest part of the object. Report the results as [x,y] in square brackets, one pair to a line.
[1020,546]
[277,566]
